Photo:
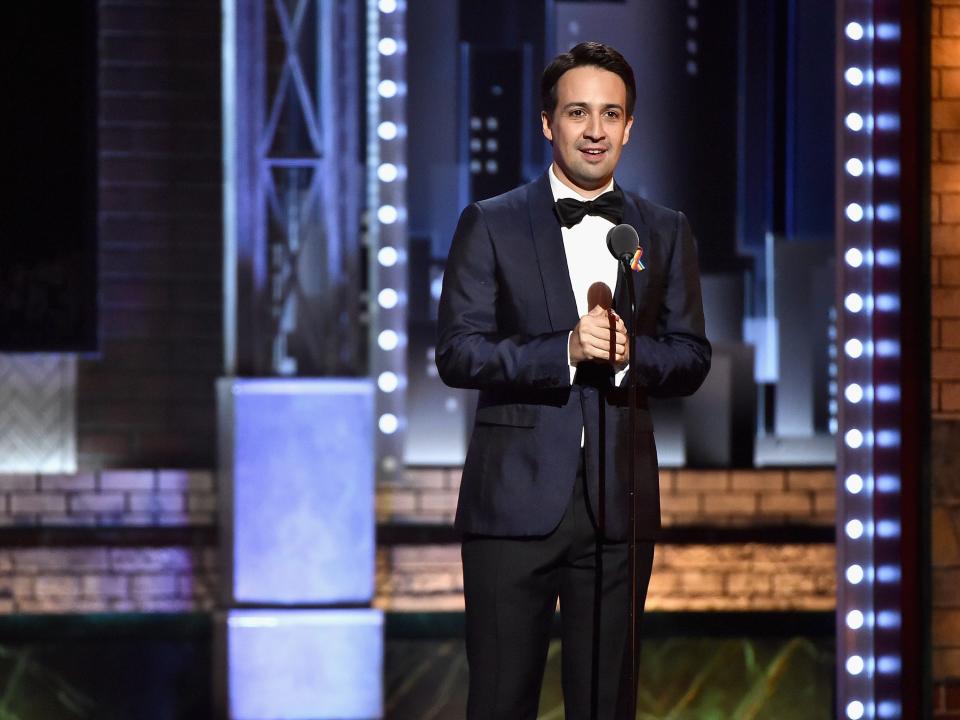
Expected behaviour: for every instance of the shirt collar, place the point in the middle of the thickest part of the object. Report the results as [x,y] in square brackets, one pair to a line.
[561,191]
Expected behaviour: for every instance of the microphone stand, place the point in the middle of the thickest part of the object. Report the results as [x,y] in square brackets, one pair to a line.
[632,546]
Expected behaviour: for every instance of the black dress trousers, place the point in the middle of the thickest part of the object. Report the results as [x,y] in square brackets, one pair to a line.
[511,587]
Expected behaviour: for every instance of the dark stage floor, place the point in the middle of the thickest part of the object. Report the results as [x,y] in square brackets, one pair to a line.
[700,666]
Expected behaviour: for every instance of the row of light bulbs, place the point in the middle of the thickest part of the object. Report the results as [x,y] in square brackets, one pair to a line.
[854,438]
[390,340]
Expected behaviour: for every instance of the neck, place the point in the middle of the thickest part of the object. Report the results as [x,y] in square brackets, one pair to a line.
[588,192]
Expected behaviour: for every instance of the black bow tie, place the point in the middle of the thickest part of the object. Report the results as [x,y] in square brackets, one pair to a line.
[608,206]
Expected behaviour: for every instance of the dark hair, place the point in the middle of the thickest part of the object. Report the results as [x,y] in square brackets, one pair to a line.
[586,54]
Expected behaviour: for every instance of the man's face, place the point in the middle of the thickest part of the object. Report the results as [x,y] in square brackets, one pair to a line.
[589,127]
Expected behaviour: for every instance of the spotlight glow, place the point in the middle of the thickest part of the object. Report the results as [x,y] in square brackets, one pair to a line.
[387,214]
[853,393]
[854,529]
[855,710]
[387,130]
[388,423]
[854,121]
[855,167]
[853,302]
[387,6]
[854,76]
[388,382]
[387,172]
[387,256]
[853,257]
[387,46]
[853,438]
[854,484]
[855,619]
[854,30]
[855,664]
[388,340]
[853,348]
[854,212]
[388,298]
[387,88]
[855,574]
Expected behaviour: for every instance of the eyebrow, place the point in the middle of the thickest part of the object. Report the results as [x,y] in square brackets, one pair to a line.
[606,106]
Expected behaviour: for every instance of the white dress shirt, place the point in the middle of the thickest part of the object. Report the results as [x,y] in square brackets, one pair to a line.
[588,258]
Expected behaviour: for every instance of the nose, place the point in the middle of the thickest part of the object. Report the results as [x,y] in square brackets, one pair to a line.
[594,128]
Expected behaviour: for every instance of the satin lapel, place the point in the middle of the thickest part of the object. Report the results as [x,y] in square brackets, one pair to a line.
[551,257]
[621,298]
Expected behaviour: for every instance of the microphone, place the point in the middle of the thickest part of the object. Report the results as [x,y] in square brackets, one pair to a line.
[622,242]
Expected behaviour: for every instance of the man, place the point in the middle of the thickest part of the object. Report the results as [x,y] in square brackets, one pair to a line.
[515,323]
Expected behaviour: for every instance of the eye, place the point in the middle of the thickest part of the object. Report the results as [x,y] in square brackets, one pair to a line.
[577,112]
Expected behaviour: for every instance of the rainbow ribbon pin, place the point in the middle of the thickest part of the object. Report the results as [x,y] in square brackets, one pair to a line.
[635,264]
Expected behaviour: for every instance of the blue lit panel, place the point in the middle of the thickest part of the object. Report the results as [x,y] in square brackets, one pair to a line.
[297,466]
[304,664]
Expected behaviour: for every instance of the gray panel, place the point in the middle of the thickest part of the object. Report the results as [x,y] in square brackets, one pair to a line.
[297,512]
[302,664]
[38,413]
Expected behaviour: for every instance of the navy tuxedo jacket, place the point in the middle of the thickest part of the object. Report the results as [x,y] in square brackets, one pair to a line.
[506,310]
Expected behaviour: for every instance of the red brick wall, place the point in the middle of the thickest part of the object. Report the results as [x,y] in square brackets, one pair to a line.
[945,335]
[147,399]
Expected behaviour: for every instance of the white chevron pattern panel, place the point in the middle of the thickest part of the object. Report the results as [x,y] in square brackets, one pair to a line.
[38,413]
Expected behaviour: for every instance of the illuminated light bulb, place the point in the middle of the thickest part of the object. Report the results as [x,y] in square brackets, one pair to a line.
[387,172]
[853,257]
[854,121]
[853,302]
[388,298]
[855,619]
[387,6]
[388,423]
[388,340]
[387,46]
[387,256]
[854,529]
[387,88]
[855,574]
[855,167]
[388,381]
[853,393]
[854,212]
[855,664]
[854,30]
[855,710]
[387,130]
[853,348]
[387,214]
[853,438]
[854,484]
[854,76]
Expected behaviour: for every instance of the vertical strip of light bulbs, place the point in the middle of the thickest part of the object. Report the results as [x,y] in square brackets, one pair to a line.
[387,225]
[855,612]
[869,324]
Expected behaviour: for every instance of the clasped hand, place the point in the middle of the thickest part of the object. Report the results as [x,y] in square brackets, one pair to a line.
[600,336]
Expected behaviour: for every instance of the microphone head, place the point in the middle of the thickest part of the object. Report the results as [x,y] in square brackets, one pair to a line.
[622,242]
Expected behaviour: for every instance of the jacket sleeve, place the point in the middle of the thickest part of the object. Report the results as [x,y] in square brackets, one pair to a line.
[676,360]
[472,349]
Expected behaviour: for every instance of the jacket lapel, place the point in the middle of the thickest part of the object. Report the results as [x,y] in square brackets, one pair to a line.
[551,257]
[621,297]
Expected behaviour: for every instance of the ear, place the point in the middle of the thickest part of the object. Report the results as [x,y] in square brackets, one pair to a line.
[626,130]
[545,122]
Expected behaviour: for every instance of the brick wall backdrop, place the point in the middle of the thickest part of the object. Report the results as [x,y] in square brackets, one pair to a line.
[945,335]
[147,399]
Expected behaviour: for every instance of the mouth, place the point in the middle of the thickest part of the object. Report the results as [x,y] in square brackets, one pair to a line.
[593,154]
